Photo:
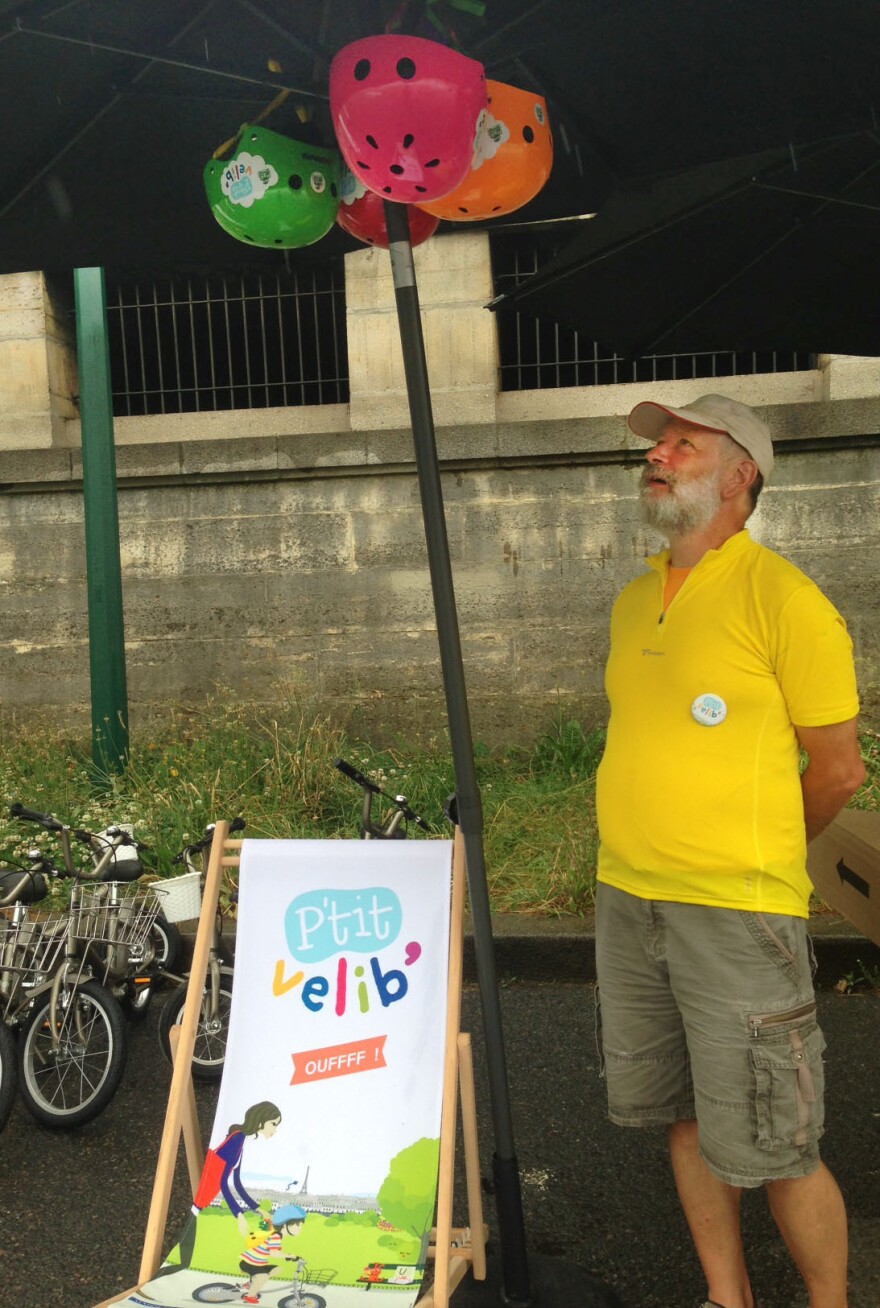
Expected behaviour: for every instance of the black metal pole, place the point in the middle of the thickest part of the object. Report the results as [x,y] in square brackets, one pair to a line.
[525,1280]
[508,1198]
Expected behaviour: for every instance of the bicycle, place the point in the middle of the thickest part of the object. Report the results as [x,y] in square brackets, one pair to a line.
[128,935]
[228,1292]
[212,1032]
[72,1043]
[22,960]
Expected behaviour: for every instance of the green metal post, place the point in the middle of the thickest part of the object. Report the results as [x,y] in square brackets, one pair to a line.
[103,567]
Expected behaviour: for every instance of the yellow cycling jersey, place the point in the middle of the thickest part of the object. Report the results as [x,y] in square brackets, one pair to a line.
[698,793]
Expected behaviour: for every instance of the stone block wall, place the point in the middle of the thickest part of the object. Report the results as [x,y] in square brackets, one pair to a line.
[281,553]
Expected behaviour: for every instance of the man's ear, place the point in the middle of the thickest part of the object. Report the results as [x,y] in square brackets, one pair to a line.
[740,475]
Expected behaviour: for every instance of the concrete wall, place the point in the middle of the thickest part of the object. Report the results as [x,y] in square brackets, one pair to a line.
[281,552]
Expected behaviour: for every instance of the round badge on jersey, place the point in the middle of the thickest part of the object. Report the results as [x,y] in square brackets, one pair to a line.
[709,710]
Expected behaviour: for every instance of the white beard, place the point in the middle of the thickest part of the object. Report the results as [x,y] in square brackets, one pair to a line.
[689,505]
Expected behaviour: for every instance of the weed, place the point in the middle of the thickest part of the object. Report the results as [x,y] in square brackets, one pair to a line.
[864,976]
[222,759]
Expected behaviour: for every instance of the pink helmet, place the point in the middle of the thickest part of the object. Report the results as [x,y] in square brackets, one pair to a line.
[407,113]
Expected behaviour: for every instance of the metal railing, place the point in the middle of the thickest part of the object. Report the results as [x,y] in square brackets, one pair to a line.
[228,341]
[537,354]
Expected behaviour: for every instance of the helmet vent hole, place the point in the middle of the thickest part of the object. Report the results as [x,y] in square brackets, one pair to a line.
[386,190]
[371,141]
[421,189]
[362,69]
[365,166]
[333,189]
[406,69]
[432,163]
[397,169]
[408,140]
[295,182]
[462,209]
[528,134]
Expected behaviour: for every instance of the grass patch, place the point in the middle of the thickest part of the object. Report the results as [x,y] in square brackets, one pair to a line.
[276,771]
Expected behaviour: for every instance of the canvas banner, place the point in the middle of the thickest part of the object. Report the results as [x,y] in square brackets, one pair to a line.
[319,1184]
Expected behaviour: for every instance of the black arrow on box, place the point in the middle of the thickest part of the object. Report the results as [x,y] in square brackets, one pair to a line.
[859,884]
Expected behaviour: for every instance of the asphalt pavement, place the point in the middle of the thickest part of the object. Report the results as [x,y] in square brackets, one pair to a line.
[596,1198]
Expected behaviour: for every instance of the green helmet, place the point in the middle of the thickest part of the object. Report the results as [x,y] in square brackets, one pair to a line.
[273,191]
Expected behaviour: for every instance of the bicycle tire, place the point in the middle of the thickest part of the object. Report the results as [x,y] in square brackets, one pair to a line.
[167,942]
[71,1084]
[209,1050]
[8,1076]
[217,1292]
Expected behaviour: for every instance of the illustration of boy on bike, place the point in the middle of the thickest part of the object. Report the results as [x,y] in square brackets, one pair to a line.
[264,1244]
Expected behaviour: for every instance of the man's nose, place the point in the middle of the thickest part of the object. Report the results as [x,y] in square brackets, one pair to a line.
[657,454]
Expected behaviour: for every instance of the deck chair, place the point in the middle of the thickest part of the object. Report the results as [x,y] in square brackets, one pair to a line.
[345,1048]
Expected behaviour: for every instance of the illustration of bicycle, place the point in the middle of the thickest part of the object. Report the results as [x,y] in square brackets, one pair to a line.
[294,1293]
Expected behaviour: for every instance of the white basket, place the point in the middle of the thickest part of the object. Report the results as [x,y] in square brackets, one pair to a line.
[181,897]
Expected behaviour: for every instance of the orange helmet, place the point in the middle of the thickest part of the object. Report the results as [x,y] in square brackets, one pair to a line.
[513,156]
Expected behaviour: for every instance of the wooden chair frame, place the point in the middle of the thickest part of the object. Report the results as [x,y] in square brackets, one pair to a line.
[452,1250]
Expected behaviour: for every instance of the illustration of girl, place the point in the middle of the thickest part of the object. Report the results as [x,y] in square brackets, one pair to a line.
[261,1119]
[222,1172]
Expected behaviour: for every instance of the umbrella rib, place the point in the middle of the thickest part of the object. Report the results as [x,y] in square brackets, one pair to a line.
[312,51]
[646,346]
[115,99]
[815,195]
[172,63]
[514,22]
[542,281]
[59,154]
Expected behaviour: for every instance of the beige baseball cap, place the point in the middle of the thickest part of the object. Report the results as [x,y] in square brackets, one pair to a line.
[715,413]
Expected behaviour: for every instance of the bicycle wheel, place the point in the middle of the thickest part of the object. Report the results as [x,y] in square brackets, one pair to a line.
[212,1031]
[7,1073]
[68,1082]
[303,1300]
[217,1292]
[167,942]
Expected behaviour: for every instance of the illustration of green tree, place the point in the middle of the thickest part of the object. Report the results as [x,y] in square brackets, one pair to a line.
[406,1196]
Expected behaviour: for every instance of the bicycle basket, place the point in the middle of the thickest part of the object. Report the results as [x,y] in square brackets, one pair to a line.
[114,913]
[31,948]
[180,897]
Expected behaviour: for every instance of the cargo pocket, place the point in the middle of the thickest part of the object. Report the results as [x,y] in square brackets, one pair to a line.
[785,1050]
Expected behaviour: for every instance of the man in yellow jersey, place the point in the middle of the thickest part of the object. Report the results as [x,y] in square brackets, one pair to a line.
[725,662]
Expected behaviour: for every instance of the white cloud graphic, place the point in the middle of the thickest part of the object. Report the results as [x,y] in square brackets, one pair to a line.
[247,178]
[490,138]
[351,188]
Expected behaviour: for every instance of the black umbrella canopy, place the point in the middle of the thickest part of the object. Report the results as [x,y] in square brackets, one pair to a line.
[111,109]
[770,252]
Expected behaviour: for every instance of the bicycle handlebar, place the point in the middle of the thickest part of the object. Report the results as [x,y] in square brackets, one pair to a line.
[101,861]
[186,854]
[353,774]
[31,815]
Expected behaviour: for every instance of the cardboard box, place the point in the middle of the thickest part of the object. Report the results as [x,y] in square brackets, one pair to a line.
[843,864]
